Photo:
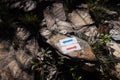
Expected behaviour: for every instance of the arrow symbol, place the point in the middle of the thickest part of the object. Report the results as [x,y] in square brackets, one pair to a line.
[74,47]
[67,41]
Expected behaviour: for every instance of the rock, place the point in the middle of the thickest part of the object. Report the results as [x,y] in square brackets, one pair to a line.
[45,32]
[55,24]
[88,67]
[16,5]
[117,72]
[115,49]
[84,53]
[51,13]
[80,18]
[10,66]
[116,25]
[22,34]
[115,31]
[116,37]
[83,6]
[25,5]
[109,12]
[49,18]
[58,11]
[91,33]
[30,5]
[82,22]
[64,27]
[16,55]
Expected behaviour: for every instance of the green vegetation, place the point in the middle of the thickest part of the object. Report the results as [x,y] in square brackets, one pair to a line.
[106,62]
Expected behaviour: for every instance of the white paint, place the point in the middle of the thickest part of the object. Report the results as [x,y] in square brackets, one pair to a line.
[70,48]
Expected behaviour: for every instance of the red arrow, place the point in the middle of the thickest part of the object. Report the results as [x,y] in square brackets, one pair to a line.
[71,48]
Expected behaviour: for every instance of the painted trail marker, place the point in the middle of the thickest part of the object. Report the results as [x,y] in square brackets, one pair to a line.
[70,48]
[67,41]
[69,45]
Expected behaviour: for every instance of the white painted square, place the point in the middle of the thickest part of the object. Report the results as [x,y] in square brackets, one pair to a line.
[70,48]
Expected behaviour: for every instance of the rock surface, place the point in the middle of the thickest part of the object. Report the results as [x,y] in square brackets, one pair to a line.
[26,44]
[16,56]
[25,5]
[115,31]
[115,49]
[80,18]
[55,20]
[85,53]
[82,22]
[55,27]
[58,11]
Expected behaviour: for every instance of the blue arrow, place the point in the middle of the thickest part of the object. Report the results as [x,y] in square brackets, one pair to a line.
[70,40]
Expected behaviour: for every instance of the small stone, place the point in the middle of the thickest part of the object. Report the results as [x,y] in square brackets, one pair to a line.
[117,70]
[115,49]
[45,32]
[111,12]
[115,31]
[116,37]
[22,33]
[58,11]
[15,5]
[63,25]
[85,6]
[49,18]
[25,5]
[30,5]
